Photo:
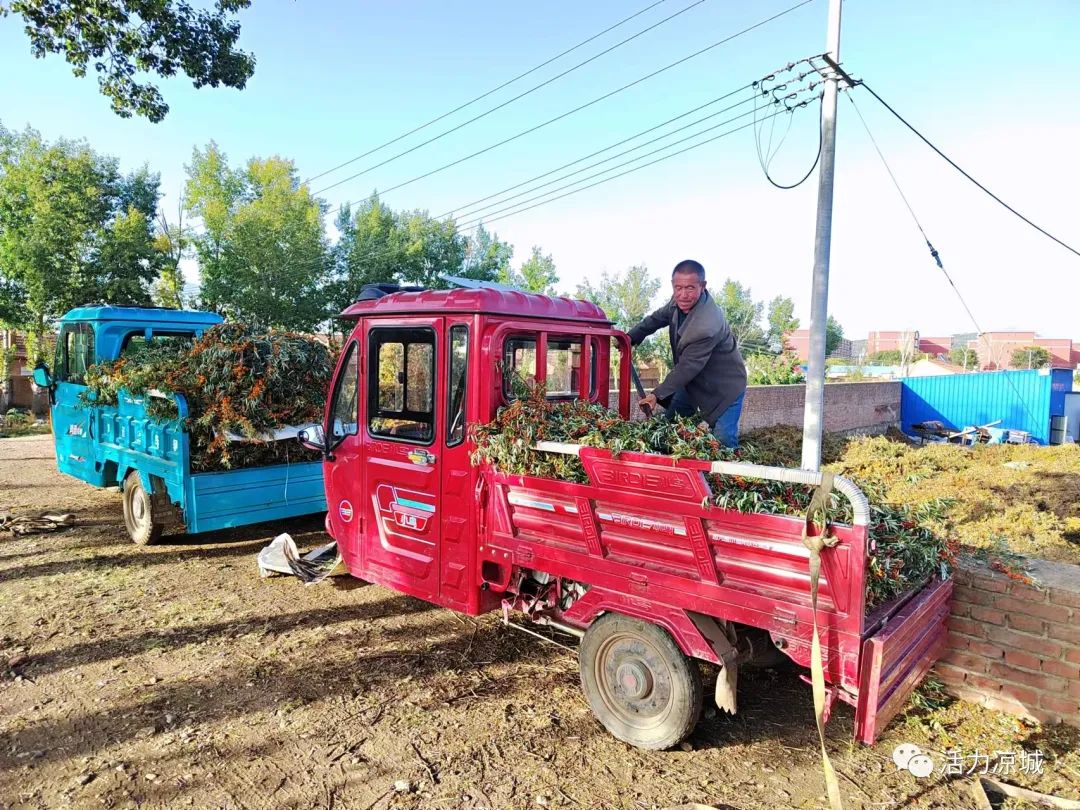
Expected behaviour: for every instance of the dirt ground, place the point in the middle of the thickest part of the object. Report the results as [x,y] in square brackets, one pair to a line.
[174,676]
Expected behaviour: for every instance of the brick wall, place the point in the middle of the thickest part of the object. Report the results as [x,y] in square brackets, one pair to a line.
[856,407]
[1016,648]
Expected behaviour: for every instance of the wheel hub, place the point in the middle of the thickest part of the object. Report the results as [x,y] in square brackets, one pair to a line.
[634,680]
[138,508]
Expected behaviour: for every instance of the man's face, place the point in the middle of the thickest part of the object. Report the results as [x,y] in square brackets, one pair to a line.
[686,289]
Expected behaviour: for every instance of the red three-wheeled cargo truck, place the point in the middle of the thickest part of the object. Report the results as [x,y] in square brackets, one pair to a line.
[634,562]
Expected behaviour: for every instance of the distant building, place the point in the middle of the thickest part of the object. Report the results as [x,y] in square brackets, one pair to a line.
[15,390]
[995,349]
[797,342]
[935,346]
[905,342]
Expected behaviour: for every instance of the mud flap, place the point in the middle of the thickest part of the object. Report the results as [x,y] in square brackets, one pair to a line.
[721,639]
[894,660]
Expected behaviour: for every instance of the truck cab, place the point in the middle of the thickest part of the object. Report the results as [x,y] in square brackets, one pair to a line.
[417,370]
[90,335]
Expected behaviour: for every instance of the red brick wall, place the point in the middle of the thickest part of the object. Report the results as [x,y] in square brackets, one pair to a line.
[1014,647]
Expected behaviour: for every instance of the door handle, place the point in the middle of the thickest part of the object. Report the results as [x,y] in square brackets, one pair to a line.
[421,457]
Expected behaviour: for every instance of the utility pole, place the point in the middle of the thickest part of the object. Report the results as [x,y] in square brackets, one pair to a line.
[813,423]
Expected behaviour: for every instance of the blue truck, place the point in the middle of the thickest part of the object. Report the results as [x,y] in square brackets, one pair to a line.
[150,460]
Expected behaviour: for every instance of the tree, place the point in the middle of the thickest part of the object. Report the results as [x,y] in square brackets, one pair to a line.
[886,357]
[173,242]
[768,369]
[124,39]
[262,252]
[743,314]
[834,333]
[626,298]
[486,258]
[968,358]
[72,231]
[429,248]
[1030,357]
[781,320]
[536,275]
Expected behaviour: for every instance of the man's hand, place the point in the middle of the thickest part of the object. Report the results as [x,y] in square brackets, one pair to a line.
[648,404]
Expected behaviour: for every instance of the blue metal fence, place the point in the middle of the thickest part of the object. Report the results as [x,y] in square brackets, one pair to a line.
[1022,400]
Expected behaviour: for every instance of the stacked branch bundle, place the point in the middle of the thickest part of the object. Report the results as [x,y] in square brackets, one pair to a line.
[908,545]
[236,381]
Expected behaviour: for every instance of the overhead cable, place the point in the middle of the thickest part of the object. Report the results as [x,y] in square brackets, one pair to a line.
[573,111]
[511,100]
[482,96]
[952,163]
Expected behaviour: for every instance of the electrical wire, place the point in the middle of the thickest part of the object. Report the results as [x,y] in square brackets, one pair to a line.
[952,163]
[461,209]
[482,96]
[573,111]
[510,101]
[933,251]
[615,157]
[765,159]
[621,174]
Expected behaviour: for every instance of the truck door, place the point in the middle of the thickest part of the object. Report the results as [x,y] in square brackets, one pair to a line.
[343,473]
[73,425]
[402,524]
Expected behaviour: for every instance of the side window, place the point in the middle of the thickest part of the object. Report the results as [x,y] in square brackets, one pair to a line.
[343,413]
[457,384]
[563,365]
[401,384]
[76,352]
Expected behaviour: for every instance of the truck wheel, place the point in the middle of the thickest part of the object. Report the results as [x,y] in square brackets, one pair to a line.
[640,685]
[139,518]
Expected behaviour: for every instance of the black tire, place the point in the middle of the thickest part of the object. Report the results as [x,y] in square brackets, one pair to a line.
[639,684]
[143,524]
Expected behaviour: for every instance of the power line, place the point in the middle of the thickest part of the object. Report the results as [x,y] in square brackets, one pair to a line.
[577,109]
[952,163]
[468,214]
[469,103]
[622,174]
[933,252]
[461,209]
[612,168]
[510,101]
[765,160]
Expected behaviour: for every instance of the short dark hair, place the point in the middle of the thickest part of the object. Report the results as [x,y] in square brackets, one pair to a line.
[690,266]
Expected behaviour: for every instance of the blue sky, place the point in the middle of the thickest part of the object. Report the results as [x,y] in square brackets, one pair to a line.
[989,82]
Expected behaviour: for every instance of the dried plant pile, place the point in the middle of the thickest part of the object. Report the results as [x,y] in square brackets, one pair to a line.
[908,545]
[235,380]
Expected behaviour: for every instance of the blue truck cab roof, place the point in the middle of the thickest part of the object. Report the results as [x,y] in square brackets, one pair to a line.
[112,326]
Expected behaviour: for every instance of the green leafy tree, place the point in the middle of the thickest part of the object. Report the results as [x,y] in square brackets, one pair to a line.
[781,320]
[123,40]
[262,252]
[536,275]
[626,298]
[367,251]
[742,313]
[173,241]
[965,357]
[834,333]
[886,357]
[772,369]
[1030,357]
[486,257]
[72,231]
[429,248]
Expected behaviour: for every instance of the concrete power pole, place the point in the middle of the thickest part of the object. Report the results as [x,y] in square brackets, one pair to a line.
[813,423]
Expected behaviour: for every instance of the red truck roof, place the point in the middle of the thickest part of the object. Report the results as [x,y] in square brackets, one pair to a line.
[486,301]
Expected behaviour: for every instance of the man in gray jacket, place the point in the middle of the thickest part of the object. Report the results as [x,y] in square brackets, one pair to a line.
[709,375]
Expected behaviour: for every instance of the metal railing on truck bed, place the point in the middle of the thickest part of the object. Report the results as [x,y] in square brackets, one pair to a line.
[644,532]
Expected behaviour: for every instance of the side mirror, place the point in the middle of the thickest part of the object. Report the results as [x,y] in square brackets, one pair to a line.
[42,378]
[313,438]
